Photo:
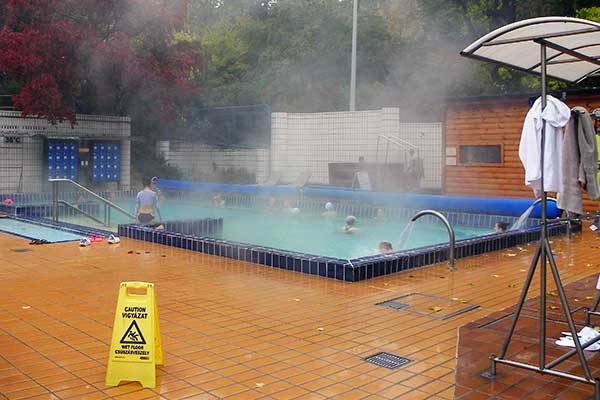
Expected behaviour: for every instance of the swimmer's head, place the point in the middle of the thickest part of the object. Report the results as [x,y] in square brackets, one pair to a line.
[385,247]
[328,206]
[501,227]
[350,220]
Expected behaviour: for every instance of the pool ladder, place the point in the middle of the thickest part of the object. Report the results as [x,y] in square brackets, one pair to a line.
[107,203]
[452,241]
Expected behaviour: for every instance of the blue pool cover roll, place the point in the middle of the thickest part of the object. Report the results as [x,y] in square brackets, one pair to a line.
[473,205]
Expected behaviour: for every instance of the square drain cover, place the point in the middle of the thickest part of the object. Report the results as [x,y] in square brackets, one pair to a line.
[396,305]
[20,250]
[387,360]
[430,306]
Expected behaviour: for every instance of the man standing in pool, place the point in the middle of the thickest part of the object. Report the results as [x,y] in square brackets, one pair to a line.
[146,203]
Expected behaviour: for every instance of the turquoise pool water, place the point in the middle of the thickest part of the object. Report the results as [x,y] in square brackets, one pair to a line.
[306,233]
[33,231]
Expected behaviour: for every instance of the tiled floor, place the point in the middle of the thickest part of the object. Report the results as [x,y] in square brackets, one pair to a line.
[240,331]
[479,339]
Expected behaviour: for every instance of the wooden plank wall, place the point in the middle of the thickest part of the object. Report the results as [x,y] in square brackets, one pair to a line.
[492,122]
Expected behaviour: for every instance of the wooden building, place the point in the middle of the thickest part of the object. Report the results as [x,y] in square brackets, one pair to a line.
[482,137]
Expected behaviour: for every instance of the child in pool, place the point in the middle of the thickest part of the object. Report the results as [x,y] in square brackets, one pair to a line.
[350,226]
[218,201]
[329,211]
[385,247]
[500,227]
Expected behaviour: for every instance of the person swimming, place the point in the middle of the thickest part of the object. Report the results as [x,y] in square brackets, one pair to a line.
[218,201]
[385,247]
[501,227]
[329,211]
[380,215]
[350,226]
[271,205]
[288,208]
[146,204]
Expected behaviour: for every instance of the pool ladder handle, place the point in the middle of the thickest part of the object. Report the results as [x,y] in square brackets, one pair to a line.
[84,213]
[452,237]
[107,204]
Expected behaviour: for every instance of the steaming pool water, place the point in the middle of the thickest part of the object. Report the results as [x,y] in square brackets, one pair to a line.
[307,234]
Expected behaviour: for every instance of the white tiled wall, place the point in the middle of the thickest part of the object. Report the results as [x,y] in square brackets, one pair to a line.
[94,126]
[195,159]
[22,165]
[125,182]
[311,141]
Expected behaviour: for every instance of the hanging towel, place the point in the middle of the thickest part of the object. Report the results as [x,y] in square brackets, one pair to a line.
[579,162]
[556,115]
[598,143]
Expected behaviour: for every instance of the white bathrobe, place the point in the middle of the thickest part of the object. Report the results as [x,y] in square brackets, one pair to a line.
[556,114]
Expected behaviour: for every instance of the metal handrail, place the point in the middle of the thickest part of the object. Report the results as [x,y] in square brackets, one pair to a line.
[403,144]
[400,141]
[107,204]
[72,207]
[452,243]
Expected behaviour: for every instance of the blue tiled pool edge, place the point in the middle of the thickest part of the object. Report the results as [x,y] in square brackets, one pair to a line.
[64,226]
[33,222]
[354,270]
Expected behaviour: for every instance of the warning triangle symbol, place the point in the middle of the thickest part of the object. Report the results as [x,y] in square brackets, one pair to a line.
[133,335]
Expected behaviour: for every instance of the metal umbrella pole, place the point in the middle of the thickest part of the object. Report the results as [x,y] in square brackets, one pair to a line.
[544,257]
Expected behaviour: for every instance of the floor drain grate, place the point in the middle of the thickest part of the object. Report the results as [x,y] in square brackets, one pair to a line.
[387,360]
[395,305]
[431,306]
[20,250]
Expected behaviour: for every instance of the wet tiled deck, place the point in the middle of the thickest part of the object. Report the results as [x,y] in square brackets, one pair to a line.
[479,339]
[241,331]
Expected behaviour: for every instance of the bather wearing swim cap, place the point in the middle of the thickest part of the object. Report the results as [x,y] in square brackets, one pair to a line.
[329,211]
[350,224]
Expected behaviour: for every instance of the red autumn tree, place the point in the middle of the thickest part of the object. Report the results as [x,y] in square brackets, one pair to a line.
[103,56]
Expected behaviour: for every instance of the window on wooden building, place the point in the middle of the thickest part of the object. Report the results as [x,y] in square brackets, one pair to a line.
[480,154]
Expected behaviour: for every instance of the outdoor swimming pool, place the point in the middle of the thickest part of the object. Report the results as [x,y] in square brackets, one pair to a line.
[309,234]
[35,231]
[306,243]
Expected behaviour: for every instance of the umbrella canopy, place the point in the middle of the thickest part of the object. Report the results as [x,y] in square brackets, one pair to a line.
[573,47]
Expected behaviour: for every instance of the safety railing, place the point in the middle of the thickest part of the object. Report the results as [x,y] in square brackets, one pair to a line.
[451,236]
[107,204]
[402,144]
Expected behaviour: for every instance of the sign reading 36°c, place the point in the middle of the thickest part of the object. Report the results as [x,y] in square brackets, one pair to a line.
[135,348]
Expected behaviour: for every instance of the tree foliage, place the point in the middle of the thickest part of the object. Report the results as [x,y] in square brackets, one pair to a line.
[295,54]
[110,56]
[157,60]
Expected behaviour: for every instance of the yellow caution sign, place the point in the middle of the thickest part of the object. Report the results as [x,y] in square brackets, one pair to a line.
[135,348]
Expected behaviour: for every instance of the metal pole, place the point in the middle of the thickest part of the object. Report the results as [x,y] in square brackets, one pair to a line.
[55,201]
[353,62]
[565,304]
[387,148]
[521,302]
[542,360]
